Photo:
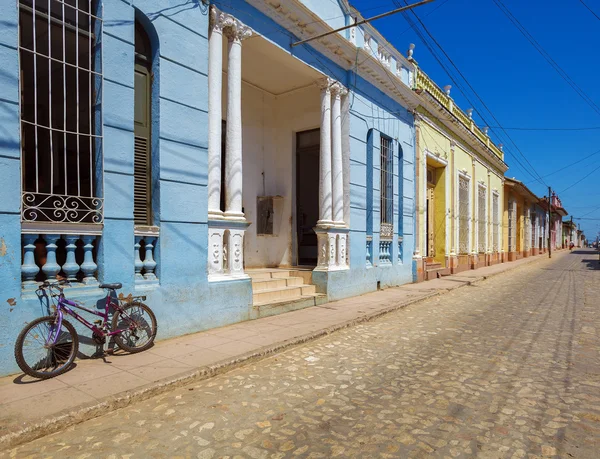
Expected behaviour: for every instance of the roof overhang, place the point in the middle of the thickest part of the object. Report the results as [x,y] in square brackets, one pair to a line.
[295,17]
[520,188]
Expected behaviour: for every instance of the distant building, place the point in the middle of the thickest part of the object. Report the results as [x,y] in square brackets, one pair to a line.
[459,187]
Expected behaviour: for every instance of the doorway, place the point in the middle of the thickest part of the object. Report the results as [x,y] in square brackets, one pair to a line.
[307,195]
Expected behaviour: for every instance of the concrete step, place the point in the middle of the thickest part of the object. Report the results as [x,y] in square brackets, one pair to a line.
[266,274]
[435,273]
[433,265]
[282,293]
[272,284]
[260,310]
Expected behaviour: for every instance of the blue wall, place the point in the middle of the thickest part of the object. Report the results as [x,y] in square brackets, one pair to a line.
[184,300]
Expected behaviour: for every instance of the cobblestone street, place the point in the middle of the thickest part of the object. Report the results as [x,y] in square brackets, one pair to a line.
[508,367]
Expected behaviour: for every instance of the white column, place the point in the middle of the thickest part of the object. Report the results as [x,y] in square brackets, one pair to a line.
[325,182]
[233,156]
[337,167]
[215,77]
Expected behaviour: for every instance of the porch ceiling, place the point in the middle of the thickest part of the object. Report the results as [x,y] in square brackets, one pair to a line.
[272,69]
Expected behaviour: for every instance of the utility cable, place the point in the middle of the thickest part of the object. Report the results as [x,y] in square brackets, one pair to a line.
[572,164]
[535,173]
[590,10]
[563,74]
[580,180]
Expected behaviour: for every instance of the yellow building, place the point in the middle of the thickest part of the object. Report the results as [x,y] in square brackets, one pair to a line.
[518,202]
[460,192]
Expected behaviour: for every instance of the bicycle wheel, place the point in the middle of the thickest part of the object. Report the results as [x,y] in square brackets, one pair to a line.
[41,360]
[139,327]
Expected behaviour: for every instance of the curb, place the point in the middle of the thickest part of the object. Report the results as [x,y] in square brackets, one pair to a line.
[108,404]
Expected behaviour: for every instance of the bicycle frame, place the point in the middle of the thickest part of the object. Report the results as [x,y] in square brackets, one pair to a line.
[64,306]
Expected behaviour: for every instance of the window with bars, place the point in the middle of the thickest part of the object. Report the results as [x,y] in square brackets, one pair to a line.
[142,164]
[512,226]
[533,229]
[482,218]
[463,215]
[387,187]
[496,222]
[61,93]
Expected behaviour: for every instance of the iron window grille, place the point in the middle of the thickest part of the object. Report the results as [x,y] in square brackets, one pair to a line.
[496,223]
[463,215]
[387,188]
[482,218]
[61,126]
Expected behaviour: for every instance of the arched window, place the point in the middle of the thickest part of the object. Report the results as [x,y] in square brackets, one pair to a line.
[142,164]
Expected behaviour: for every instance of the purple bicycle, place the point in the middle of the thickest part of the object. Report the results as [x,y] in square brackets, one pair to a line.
[47,346]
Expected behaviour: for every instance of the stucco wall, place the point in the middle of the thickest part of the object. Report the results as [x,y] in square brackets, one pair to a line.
[185,301]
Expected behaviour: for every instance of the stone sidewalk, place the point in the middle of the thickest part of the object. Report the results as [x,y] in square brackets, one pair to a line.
[31,408]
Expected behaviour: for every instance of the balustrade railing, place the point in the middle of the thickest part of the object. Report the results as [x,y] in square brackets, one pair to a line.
[46,256]
[400,249]
[385,252]
[144,252]
[368,260]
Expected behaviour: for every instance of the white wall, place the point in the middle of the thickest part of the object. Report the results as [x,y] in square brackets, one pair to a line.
[269,126]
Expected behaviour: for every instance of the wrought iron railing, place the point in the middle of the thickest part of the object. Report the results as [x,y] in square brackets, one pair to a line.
[42,207]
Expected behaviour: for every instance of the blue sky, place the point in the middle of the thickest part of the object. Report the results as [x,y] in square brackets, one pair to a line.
[521,89]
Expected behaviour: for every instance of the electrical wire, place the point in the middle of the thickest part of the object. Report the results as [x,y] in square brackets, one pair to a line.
[563,74]
[572,164]
[546,129]
[580,180]
[590,10]
[535,175]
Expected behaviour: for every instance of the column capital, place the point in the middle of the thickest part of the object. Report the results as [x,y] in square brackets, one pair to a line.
[325,84]
[234,29]
[338,89]
[216,19]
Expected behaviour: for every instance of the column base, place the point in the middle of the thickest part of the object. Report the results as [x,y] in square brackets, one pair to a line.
[332,244]
[234,216]
[419,267]
[215,214]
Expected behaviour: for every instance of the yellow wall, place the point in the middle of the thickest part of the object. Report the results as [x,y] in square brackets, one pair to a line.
[457,157]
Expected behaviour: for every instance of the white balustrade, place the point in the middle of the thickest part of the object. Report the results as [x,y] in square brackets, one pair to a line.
[369,249]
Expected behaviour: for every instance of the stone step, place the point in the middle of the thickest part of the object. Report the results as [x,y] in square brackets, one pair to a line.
[282,293]
[433,265]
[266,274]
[273,284]
[435,273]
[279,307]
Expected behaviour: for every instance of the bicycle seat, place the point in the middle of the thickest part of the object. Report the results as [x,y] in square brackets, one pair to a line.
[115,286]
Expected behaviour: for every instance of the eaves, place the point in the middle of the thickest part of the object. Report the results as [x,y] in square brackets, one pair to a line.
[303,23]
[428,102]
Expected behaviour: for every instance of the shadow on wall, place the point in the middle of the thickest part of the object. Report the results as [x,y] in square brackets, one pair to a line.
[167,12]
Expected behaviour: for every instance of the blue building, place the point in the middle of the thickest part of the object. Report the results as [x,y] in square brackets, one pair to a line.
[199,156]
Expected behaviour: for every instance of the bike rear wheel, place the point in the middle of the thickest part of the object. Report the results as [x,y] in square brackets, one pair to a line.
[139,327]
[41,356]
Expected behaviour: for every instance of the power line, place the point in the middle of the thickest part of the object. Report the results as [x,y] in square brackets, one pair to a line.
[572,164]
[535,173]
[563,74]
[579,181]
[590,10]
[546,129]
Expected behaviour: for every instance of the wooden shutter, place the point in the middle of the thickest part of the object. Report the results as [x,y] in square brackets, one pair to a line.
[142,177]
